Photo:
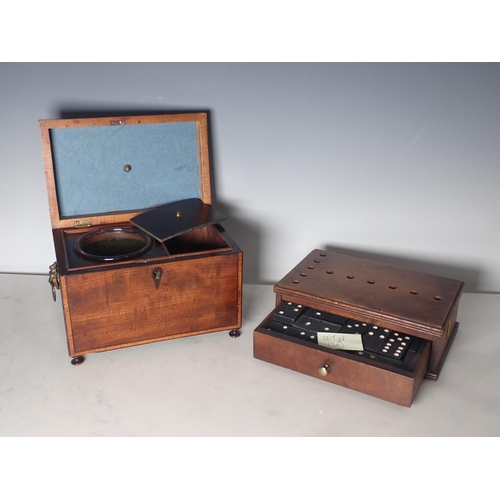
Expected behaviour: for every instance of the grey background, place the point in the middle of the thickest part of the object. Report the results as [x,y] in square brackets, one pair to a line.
[395,162]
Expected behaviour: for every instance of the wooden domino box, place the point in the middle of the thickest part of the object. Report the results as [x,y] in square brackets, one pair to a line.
[407,321]
[141,255]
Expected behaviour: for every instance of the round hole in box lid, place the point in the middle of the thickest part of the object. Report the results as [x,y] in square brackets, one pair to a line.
[113,244]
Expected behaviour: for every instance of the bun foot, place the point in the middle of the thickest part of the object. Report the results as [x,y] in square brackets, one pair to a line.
[234,333]
[77,361]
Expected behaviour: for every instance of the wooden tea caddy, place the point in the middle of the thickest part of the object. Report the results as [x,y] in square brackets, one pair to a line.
[140,184]
[412,303]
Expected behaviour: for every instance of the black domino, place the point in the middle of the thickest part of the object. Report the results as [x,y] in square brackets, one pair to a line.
[335,318]
[313,325]
[352,326]
[374,337]
[293,331]
[288,313]
[395,345]
[329,318]
[414,344]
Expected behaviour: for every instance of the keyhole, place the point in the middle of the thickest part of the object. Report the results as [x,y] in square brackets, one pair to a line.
[157,274]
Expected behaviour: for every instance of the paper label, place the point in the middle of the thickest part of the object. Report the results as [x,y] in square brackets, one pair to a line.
[345,341]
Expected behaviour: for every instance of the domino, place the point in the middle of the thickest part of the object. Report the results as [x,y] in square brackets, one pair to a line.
[288,313]
[324,316]
[374,337]
[395,345]
[313,325]
[293,331]
[352,326]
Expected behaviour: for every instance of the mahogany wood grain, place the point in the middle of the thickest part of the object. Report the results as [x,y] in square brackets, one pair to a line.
[387,383]
[121,307]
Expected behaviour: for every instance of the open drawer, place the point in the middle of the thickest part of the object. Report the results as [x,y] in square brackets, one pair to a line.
[286,339]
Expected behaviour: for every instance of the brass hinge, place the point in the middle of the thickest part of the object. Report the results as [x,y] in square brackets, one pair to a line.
[83,223]
[54,279]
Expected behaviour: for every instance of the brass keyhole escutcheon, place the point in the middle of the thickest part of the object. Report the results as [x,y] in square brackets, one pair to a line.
[157,273]
[324,370]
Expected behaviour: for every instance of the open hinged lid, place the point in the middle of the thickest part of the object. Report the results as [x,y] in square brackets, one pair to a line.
[381,293]
[107,170]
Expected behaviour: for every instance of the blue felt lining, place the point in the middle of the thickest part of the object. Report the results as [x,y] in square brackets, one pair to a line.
[89,167]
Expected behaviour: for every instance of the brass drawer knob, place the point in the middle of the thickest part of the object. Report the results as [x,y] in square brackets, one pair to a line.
[324,370]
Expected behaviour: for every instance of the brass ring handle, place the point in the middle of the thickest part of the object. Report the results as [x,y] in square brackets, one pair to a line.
[324,370]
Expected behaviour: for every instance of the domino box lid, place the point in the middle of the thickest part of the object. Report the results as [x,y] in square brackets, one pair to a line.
[373,292]
[110,169]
